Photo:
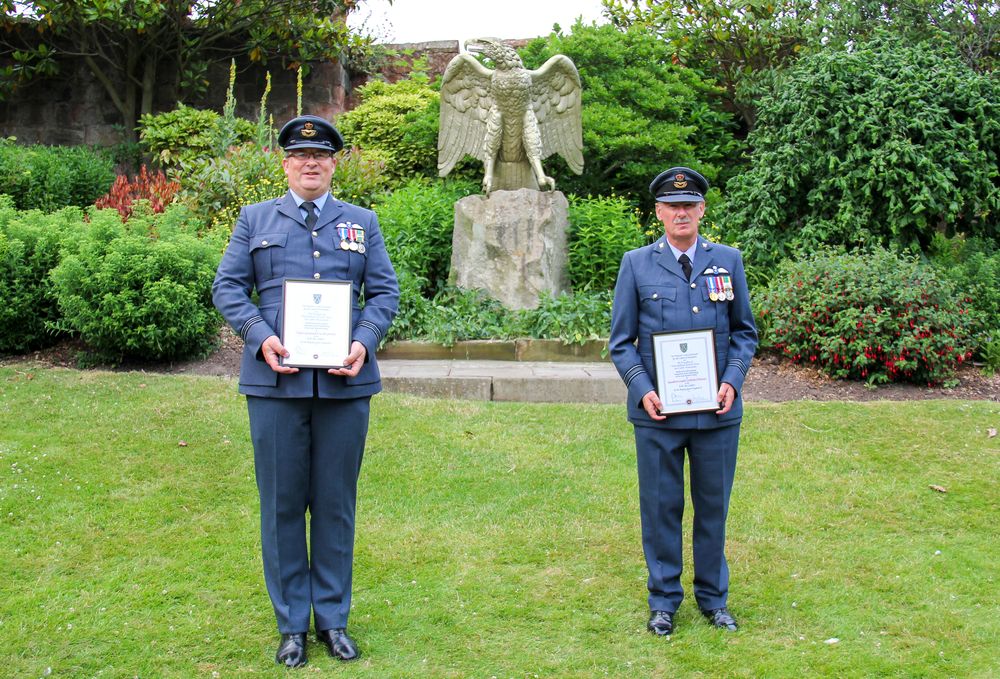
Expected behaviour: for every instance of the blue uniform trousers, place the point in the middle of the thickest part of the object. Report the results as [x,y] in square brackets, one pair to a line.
[660,456]
[307,456]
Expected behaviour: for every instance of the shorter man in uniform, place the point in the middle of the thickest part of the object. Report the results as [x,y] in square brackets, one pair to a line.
[308,425]
[675,285]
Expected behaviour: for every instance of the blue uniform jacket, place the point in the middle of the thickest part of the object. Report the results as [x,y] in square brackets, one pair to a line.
[271,243]
[653,295]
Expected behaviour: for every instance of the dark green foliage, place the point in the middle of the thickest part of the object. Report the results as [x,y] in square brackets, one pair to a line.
[142,289]
[417,222]
[29,249]
[601,231]
[454,314]
[886,144]
[572,318]
[871,316]
[641,113]
[398,124]
[973,265]
[52,177]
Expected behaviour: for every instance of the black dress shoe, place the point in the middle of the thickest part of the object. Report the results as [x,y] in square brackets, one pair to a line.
[339,644]
[291,650]
[661,623]
[721,618]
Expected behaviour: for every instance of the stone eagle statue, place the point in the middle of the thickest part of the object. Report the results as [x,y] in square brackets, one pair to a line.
[509,118]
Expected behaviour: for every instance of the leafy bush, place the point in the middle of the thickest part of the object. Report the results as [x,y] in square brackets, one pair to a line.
[417,221]
[154,188]
[572,318]
[49,178]
[454,314]
[216,188]
[601,231]
[246,174]
[642,113]
[973,265]
[886,144]
[140,289]
[186,134]
[872,316]
[398,122]
[29,249]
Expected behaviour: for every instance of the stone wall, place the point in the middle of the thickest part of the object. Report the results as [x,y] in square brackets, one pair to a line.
[73,108]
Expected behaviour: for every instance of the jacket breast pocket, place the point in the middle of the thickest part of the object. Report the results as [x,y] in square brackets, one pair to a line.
[652,301]
[268,253]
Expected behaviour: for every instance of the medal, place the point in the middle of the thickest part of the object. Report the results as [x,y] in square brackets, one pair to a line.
[353,246]
[728,285]
[712,294]
[344,245]
[361,248]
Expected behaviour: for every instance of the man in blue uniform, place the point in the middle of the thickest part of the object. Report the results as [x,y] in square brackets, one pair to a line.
[308,425]
[683,282]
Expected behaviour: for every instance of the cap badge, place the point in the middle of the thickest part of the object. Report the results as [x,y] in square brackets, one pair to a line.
[308,131]
[679,181]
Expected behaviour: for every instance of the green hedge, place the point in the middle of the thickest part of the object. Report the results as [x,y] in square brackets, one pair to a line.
[30,244]
[142,289]
[49,178]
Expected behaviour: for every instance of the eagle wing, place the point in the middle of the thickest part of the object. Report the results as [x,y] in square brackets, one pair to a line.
[465,103]
[555,96]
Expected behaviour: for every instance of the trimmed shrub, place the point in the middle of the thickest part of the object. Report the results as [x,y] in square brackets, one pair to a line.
[601,231]
[141,289]
[29,248]
[49,178]
[399,123]
[871,316]
[187,134]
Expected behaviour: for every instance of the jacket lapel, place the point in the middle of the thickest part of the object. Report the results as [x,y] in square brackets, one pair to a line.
[286,206]
[664,256]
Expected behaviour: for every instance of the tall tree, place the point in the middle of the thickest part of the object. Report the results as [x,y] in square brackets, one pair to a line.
[132,47]
[742,42]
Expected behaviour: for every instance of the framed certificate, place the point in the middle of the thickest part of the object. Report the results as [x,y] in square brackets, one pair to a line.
[316,323]
[687,377]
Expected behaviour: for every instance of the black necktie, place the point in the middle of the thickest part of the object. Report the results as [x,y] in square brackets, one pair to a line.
[685,263]
[311,218]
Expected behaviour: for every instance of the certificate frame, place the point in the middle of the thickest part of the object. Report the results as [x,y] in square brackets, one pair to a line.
[687,375]
[316,322]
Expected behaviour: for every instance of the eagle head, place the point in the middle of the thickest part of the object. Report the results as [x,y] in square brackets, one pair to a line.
[503,56]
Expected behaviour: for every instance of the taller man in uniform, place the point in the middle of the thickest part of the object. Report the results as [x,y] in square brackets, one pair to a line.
[669,286]
[308,426]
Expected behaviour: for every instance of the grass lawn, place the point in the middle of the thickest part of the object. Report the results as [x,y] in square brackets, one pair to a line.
[494,540]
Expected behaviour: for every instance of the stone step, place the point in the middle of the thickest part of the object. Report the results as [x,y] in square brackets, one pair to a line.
[493,380]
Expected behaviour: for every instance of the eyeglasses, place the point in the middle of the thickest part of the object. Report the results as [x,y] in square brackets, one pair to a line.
[309,155]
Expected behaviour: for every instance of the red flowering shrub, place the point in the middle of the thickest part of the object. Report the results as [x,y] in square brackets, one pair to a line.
[869,316]
[154,187]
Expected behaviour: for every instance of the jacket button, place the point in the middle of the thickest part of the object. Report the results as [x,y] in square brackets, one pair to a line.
[315,234]
[316,254]
[695,309]
[315,275]
[694,285]
[655,295]
[263,242]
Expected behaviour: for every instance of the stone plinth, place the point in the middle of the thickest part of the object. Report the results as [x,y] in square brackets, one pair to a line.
[512,245]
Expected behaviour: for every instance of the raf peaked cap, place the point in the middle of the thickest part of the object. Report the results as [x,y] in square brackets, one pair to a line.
[310,132]
[679,185]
